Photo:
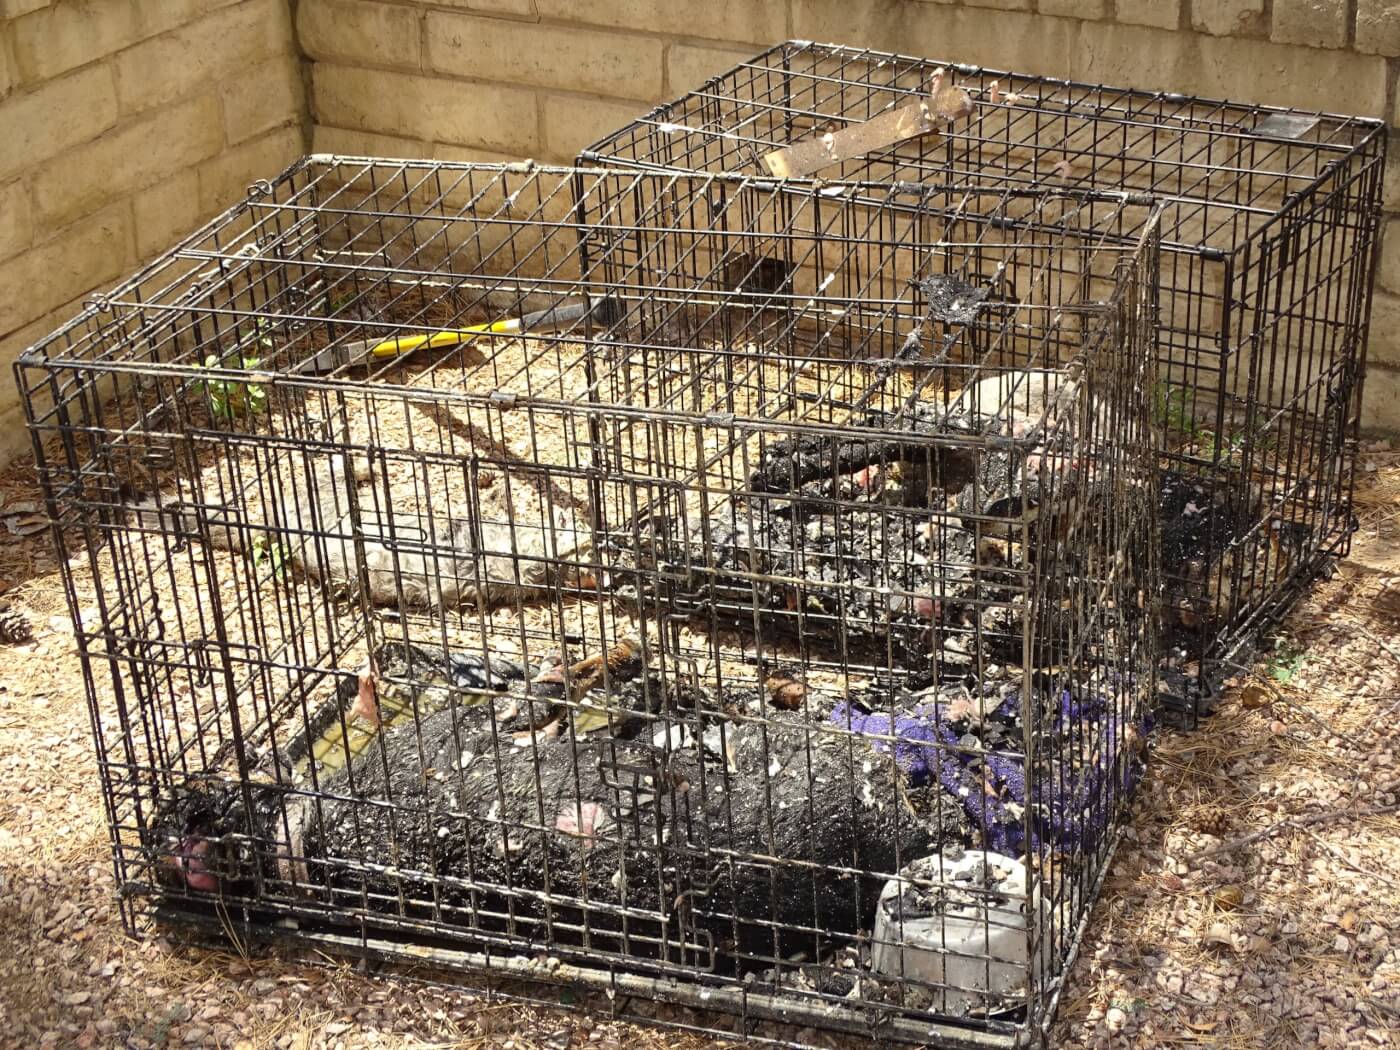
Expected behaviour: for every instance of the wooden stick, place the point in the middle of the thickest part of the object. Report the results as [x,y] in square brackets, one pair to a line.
[921,117]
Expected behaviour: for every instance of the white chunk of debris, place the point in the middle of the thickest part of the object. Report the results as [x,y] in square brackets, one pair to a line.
[960,922]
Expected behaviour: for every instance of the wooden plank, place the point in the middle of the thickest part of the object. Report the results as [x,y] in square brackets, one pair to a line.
[921,117]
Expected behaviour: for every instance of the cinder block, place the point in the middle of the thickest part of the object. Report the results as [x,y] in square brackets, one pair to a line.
[1014,40]
[1378,27]
[160,16]
[16,342]
[492,116]
[1236,68]
[182,62]
[1380,399]
[166,212]
[132,156]
[604,63]
[1390,188]
[356,32]
[75,32]
[572,122]
[16,227]
[72,34]
[262,98]
[752,21]
[1389,275]
[1384,346]
[365,144]
[55,117]
[1229,17]
[1164,14]
[1090,9]
[77,260]
[688,67]
[15,8]
[1315,23]
[447,151]
[509,8]
[224,180]
[877,23]
[7,74]
[14,435]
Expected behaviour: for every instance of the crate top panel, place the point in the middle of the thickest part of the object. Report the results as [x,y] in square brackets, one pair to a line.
[1223,171]
[684,295]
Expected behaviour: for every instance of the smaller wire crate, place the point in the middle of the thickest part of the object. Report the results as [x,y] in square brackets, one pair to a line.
[1269,233]
[738,607]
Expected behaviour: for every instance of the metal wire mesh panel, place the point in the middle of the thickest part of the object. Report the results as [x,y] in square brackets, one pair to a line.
[1268,231]
[668,586]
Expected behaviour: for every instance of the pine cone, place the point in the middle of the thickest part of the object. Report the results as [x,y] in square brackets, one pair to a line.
[14,627]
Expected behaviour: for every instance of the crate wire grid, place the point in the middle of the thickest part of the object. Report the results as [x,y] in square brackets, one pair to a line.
[226,645]
[1269,227]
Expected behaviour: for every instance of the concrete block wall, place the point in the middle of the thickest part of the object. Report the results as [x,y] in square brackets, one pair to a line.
[510,78]
[125,124]
[129,120]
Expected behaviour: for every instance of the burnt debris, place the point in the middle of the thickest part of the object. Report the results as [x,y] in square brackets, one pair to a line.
[656,642]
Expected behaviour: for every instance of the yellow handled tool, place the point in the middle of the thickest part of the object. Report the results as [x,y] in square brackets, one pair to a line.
[406,344]
[606,311]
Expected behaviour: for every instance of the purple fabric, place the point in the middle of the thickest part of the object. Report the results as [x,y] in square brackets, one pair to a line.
[926,747]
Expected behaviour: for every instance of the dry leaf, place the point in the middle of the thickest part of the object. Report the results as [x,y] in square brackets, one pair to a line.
[1255,695]
[590,717]
[786,692]
[366,705]
[1228,898]
[26,524]
[1349,921]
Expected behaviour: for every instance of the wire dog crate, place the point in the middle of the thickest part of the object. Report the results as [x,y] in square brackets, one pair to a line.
[755,614]
[1268,236]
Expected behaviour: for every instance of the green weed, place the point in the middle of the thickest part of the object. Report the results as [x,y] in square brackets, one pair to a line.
[1286,662]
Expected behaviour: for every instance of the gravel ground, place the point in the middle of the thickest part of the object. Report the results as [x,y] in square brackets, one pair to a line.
[1256,902]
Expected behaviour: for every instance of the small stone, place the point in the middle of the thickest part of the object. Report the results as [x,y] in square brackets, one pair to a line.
[1115,1019]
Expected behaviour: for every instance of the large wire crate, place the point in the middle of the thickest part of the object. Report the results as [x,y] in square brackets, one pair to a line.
[1269,228]
[764,626]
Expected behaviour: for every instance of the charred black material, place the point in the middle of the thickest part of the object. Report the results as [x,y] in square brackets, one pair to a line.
[789,464]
